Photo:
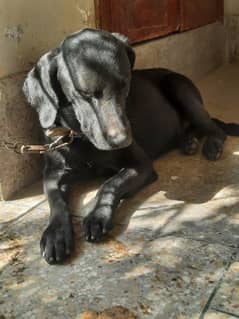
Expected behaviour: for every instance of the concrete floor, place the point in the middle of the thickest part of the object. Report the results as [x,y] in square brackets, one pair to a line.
[175,258]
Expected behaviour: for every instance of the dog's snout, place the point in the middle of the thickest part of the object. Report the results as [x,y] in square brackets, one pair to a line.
[117,137]
[113,133]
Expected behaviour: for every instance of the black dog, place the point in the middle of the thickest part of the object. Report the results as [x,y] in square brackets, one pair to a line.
[123,120]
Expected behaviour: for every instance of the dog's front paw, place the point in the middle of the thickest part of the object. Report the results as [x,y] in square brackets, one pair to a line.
[97,224]
[190,145]
[212,148]
[57,241]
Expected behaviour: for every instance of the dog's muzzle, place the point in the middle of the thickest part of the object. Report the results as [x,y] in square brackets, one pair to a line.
[119,138]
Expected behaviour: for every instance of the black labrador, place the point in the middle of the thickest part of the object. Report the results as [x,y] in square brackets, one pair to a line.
[122,119]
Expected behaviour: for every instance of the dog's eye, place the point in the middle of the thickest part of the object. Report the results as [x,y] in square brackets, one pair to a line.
[86,94]
[98,94]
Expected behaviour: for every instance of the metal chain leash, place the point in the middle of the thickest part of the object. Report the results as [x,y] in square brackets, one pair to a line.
[63,136]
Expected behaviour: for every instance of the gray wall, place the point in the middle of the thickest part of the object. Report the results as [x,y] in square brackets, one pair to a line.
[231,7]
[232,30]
[194,53]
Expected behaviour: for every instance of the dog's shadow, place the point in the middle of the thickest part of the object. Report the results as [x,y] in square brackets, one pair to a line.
[182,180]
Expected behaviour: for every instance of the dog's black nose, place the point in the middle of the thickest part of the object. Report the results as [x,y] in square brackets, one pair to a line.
[117,137]
[113,133]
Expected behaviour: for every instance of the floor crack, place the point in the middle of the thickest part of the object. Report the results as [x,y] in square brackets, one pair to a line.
[217,287]
[226,312]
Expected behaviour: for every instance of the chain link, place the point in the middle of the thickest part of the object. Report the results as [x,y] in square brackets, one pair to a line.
[21,148]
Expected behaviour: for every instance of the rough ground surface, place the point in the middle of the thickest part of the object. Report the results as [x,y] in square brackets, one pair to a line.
[175,258]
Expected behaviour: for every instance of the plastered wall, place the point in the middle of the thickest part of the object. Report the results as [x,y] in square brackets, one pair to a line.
[29,28]
[194,53]
[231,7]
[231,22]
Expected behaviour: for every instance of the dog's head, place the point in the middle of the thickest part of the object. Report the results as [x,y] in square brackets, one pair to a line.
[92,68]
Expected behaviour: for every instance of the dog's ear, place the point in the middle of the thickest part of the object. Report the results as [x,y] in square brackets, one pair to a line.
[39,88]
[130,52]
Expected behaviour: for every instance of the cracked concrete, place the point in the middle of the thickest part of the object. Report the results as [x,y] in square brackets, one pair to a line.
[172,255]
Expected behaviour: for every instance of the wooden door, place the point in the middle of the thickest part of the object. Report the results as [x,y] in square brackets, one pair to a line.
[147,19]
[140,19]
[196,13]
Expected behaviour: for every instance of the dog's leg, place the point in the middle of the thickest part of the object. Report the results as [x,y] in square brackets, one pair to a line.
[57,240]
[184,96]
[137,172]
